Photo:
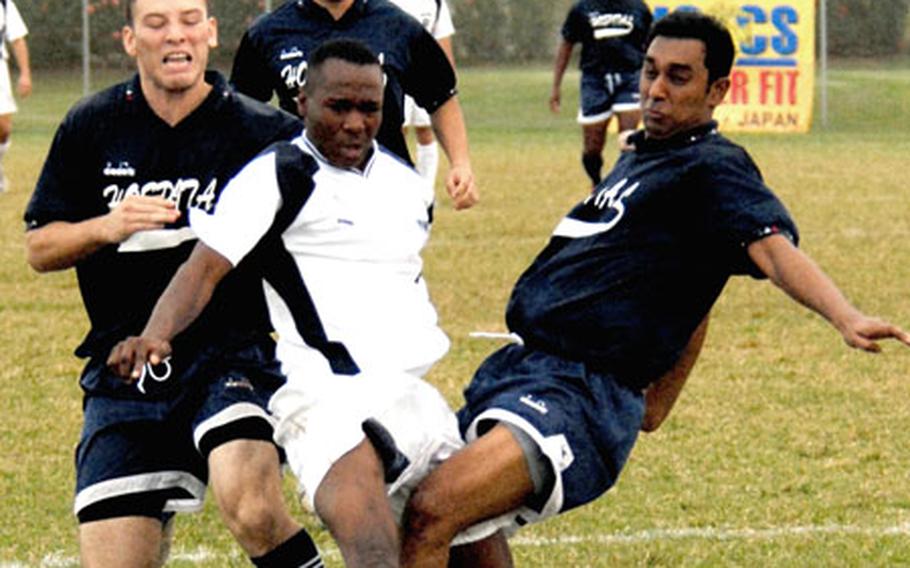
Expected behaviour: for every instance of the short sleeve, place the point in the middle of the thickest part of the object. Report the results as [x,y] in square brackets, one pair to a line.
[55,197]
[444,27]
[244,212]
[430,79]
[742,209]
[15,25]
[575,26]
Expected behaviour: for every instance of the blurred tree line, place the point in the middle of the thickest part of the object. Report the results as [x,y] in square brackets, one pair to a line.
[489,31]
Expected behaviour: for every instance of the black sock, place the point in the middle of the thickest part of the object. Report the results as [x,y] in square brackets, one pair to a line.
[299,551]
[593,164]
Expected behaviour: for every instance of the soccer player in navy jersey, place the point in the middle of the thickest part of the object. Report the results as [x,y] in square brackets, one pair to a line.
[611,34]
[614,300]
[125,168]
[274,53]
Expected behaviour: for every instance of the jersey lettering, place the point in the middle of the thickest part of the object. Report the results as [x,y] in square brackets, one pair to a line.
[607,198]
[184,192]
[294,75]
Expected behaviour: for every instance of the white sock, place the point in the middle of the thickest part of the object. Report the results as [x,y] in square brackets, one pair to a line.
[428,161]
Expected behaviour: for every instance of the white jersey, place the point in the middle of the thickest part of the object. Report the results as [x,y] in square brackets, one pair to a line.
[356,245]
[12,25]
[434,15]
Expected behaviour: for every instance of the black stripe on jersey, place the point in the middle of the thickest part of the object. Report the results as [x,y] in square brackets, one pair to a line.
[295,170]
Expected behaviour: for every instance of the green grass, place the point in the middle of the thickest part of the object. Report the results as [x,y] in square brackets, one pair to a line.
[786,449]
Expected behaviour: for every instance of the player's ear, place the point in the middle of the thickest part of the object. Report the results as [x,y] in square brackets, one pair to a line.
[128,36]
[213,33]
[717,91]
[301,103]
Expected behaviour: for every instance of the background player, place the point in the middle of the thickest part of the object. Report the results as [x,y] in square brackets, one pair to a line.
[615,298]
[611,33]
[125,167]
[436,18]
[339,223]
[13,32]
[273,54]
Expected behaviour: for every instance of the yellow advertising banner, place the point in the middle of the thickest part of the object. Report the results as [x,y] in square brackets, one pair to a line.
[773,78]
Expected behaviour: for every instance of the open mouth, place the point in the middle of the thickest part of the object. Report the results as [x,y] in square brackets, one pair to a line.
[177,59]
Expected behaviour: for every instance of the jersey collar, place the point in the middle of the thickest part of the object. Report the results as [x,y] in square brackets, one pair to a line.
[312,9]
[678,140]
[312,149]
[219,93]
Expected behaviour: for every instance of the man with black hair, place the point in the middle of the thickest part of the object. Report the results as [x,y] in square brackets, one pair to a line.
[616,300]
[274,55]
[125,168]
[334,224]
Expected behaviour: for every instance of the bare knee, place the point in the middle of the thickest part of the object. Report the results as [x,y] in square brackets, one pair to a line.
[251,520]
[427,518]
[352,502]
[249,495]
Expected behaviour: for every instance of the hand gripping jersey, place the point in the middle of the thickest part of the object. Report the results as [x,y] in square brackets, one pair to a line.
[611,32]
[633,269]
[111,146]
[272,58]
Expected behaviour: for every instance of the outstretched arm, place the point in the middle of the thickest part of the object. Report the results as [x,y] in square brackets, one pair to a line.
[181,303]
[563,53]
[662,394]
[798,275]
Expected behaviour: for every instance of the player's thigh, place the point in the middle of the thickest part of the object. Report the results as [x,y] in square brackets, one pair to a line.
[487,478]
[245,468]
[123,542]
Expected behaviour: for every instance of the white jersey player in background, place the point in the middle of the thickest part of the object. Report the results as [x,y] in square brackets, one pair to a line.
[13,31]
[435,16]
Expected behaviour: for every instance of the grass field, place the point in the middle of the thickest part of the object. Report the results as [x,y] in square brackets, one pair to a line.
[786,449]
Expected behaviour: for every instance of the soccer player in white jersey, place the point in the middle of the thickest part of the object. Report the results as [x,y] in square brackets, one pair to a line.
[435,16]
[13,32]
[335,223]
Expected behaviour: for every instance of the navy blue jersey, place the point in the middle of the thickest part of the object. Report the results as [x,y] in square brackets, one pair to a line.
[113,145]
[634,268]
[272,58]
[611,33]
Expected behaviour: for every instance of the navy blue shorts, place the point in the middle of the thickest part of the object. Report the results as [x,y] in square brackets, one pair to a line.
[603,95]
[584,422]
[147,457]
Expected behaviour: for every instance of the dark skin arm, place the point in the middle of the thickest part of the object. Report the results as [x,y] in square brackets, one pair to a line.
[798,275]
[662,394]
[563,54]
[181,303]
